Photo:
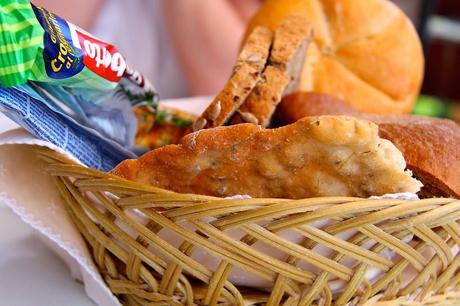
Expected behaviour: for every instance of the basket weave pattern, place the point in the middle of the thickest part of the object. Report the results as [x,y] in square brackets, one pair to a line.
[102,207]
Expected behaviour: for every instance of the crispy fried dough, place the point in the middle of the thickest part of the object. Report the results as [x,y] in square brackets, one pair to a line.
[316,156]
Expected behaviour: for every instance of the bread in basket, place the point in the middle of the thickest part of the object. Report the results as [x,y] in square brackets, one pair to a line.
[141,268]
[154,246]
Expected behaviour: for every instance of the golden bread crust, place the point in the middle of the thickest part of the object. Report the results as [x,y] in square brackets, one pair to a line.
[365,52]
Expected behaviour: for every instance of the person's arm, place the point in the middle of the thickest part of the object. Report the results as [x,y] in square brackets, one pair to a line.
[206,35]
[79,12]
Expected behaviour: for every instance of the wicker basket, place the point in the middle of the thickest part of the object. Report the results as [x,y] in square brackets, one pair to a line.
[102,207]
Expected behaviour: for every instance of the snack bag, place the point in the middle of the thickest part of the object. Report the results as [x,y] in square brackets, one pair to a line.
[31,111]
[78,74]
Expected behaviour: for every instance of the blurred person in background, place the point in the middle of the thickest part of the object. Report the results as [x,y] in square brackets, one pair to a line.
[184,47]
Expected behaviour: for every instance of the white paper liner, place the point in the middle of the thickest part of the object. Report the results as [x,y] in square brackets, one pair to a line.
[44,210]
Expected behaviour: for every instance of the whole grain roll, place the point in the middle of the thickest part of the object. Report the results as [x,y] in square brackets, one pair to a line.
[300,104]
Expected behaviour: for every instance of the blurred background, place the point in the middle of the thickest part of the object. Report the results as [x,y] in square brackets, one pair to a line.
[438,23]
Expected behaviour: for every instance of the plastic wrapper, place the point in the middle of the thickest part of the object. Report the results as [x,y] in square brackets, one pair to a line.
[81,77]
[40,118]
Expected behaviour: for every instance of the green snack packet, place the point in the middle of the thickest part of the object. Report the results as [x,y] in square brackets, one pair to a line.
[21,44]
[37,45]
[69,66]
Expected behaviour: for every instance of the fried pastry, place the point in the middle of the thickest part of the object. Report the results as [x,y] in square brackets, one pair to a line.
[316,156]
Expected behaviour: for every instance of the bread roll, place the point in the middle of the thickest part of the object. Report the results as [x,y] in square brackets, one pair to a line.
[364,52]
[430,146]
[301,104]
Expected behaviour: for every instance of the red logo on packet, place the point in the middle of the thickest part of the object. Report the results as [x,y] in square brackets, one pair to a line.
[102,58]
